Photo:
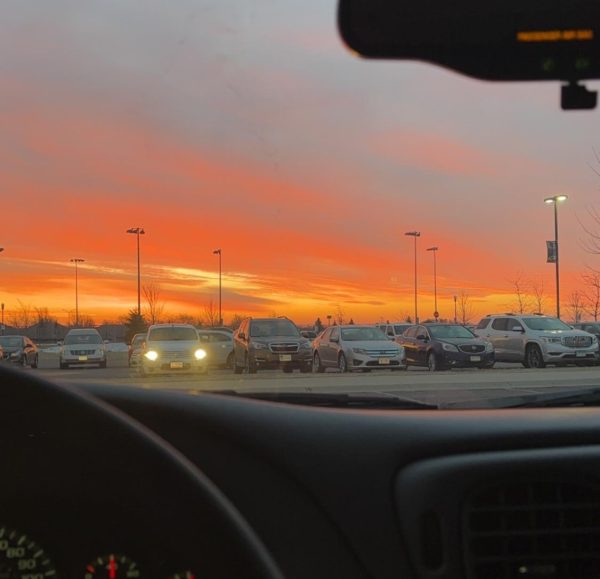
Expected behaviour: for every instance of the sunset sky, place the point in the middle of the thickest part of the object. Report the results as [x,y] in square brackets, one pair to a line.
[249,126]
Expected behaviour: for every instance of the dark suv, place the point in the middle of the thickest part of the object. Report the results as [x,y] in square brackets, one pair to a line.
[270,343]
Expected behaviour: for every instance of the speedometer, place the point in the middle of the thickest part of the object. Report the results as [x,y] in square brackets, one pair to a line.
[22,558]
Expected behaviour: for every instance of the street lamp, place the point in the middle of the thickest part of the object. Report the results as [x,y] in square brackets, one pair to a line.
[138,231]
[218,252]
[1,250]
[555,201]
[434,250]
[455,318]
[76,261]
[415,234]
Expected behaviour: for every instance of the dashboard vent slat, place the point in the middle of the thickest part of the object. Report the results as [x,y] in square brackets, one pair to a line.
[540,529]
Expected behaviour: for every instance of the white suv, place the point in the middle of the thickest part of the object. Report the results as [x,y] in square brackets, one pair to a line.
[536,340]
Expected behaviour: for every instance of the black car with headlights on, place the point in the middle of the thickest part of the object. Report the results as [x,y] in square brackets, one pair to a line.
[441,346]
[270,343]
[19,350]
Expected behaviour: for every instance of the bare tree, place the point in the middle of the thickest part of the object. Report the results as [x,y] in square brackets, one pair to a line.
[520,286]
[211,314]
[42,316]
[182,318]
[591,296]
[155,306]
[339,315]
[21,317]
[86,321]
[236,321]
[539,295]
[576,305]
[465,307]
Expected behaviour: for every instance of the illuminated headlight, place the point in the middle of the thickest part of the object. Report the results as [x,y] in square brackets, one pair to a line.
[151,355]
[359,351]
[489,347]
[449,347]
[200,354]
[551,340]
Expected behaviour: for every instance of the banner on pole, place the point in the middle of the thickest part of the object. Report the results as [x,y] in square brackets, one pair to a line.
[551,251]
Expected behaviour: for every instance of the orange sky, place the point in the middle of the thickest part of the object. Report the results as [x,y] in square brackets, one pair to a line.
[305,165]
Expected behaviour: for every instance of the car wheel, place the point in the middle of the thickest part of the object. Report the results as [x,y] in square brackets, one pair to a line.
[432,362]
[249,367]
[229,364]
[34,364]
[317,365]
[534,357]
[342,363]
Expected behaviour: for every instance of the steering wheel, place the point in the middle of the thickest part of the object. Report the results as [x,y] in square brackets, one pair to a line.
[63,451]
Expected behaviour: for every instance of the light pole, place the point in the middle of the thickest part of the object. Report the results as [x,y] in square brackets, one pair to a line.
[76,261]
[218,252]
[434,250]
[415,234]
[138,231]
[555,201]
[1,250]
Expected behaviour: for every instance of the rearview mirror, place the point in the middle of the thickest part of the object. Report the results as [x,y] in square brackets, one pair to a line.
[508,40]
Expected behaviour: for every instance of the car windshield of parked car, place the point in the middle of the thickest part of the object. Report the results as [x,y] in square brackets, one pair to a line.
[442,332]
[72,339]
[172,335]
[267,328]
[234,166]
[10,342]
[362,334]
[549,324]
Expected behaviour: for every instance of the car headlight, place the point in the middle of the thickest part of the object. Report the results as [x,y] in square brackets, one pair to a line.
[200,354]
[152,355]
[551,340]
[449,347]
[259,345]
[359,351]
[306,346]
[489,347]
[16,354]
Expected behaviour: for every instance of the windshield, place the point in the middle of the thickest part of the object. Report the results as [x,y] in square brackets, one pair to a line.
[73,339]
[234,166]
[450,332]
[267,328]
[550,324]
[10,342]
[362,334]
[172,334]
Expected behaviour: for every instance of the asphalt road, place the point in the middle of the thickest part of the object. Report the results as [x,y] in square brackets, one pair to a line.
[469,386]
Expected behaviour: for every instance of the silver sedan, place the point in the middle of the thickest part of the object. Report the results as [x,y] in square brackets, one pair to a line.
[352,347]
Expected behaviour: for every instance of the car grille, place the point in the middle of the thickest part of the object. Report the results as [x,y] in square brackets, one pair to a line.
[284,348]
[577,341]
[177,355]
[536,528]
[82,352]
[472,348]
[381,353]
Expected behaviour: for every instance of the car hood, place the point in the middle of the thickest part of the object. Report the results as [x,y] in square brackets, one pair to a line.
[276,339]
[460,341]
[174,345]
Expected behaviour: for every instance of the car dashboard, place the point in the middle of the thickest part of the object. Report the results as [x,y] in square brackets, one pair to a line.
[329,493]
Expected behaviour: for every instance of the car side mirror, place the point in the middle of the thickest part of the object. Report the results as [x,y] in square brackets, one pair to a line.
[242,336]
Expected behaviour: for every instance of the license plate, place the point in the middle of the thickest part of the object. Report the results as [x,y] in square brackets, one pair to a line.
[580,354]
[475,358]
[285,357]
[384,361]
[176,365]
[82,358]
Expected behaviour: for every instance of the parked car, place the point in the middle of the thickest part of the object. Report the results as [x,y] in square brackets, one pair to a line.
[82,347]
[536,340]
[19,350]
[590,327]
[443,346]
[219,347]
[173,348]
[351,347]
[394,331]
[270,343]
[308,334]
[136,348]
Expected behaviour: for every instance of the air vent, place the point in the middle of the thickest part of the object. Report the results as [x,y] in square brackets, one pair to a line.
[546,529]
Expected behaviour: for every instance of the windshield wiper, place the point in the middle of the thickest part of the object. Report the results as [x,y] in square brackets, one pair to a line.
[379,400]
[587,397]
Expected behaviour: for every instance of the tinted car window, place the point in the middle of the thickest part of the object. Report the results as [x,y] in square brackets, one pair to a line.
[82,339]
[484,323]
[10,341]
[357,334]
[411,332]
[266,328]
[442,332]
[500,324]
[548,324]
[335,333]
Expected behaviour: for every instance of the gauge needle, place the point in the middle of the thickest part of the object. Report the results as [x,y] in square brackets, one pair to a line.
[112,568]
